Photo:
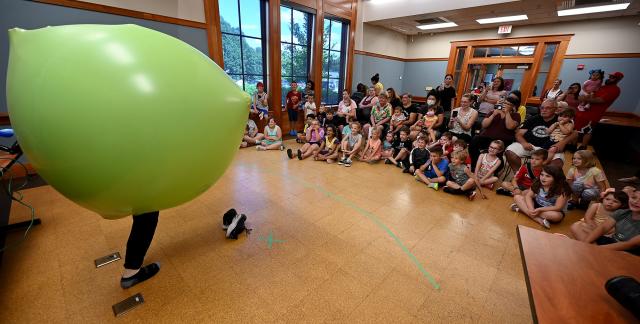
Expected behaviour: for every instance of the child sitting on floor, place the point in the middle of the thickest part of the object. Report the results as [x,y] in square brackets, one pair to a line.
[525,176]
[328,150]
[418,158]
[313,137]
[487,165]
[585,179]
[351,144]
[444,142]
[461,145]
[546,202]
[460,181]
[436,170]
[302,137]
[401,149]
[373,151]
[599,212]
[387,146]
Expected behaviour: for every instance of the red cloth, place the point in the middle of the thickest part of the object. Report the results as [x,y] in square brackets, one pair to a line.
[291,104]
[609,93]
[523,179]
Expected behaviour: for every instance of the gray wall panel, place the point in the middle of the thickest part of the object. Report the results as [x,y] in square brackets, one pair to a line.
[418,75]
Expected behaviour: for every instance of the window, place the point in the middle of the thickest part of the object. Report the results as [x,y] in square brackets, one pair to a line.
[243,44]
[334,48]
[296,30]
[543,73]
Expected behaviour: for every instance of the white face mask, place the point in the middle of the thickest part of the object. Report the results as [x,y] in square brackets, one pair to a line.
[431,102]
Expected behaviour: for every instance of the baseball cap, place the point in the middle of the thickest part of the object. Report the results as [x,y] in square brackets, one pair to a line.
[618,75]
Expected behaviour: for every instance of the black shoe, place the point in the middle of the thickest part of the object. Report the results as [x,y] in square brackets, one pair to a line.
[447,189]
[387,161]
[143,274]
[236,227]
[406,171]
[299,155]
[290,153]
[227,218]
[504,192]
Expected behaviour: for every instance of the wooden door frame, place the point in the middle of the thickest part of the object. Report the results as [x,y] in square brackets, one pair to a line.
[535,60]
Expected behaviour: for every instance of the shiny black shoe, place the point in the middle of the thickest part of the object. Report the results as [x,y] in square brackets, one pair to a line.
[143,274]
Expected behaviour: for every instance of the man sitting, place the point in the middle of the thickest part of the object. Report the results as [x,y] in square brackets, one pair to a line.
[533,135]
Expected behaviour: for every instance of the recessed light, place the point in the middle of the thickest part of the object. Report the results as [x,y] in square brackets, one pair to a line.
[436,26]
[502,19]
[596,9]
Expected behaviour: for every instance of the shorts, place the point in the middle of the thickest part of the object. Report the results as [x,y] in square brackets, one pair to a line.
[314,143]
[293,114]
[517,148]
[536,205]
[324,152]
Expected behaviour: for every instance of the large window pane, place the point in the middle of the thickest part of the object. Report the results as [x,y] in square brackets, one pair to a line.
[229,20]
[494,51]
[510,51]
[299,28]
[287,59]
[285,24]
[299,60]
[250,16]
[237,79]
[334,64]
[252,55]
[526,50]
[231,54]
[336,35]
[325,64]
[326,34]
[334,91]
[250,82]
[480,52]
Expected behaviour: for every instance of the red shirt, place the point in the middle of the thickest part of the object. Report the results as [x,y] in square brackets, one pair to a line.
[609,93]
[523,179]
[293,99]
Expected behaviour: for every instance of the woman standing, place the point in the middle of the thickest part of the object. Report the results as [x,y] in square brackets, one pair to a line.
[364,108]
[552,93]
[375,81]
[462,119]
[490,97]
[446,93]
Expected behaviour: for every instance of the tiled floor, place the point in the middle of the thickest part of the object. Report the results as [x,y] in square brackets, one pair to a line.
[355,240]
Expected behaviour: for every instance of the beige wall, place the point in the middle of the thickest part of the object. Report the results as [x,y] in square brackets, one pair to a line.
[183,9]
[617,35]
[381,40]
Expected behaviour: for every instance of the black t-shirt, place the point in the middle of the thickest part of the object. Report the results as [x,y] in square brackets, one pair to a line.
[419,157]
[445,95]
[537,131]
[395,102]
[413,108]
[398,144]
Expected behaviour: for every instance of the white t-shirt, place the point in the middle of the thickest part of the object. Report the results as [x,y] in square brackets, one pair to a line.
[309,108]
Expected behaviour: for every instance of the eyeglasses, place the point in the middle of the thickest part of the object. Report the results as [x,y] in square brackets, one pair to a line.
[548,107]
[494,148]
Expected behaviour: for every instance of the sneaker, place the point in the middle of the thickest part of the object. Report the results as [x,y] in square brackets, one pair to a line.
[415,176]
[433,185]
[571,205]
[504,192]
[546,223]
[294,133]
[290,153]
[143,274]
[400,165]
[348,162]
[406,171]
[299,155]
[447,189]
[387,161]
[282,147]
[514,207]
[473,195]
[342,161]
[236,227]
[227,218]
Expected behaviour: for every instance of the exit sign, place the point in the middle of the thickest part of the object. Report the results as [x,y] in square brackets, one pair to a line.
[505,29]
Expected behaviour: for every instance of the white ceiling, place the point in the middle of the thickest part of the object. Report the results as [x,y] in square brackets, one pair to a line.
[402,15]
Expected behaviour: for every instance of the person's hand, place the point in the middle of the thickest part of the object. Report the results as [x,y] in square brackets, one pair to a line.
[517,191]
[559,147]
[528,146]
[535,212]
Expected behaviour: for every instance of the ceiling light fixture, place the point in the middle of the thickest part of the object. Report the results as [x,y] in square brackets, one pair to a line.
[436,26]
[596,9]
[502,19]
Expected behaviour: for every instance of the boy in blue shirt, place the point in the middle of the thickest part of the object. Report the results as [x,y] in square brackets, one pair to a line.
[435,174]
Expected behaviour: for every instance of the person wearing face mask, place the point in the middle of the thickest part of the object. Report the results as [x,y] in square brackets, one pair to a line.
[419,125]
[599,102]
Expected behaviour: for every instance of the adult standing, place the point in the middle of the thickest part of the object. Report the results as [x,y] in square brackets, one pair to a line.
[571,96]
[500,125]
[309,89]
[409,109]
[446,93]
[292,105]
[346,110]
[533,135]
[600,102]
[394,100]
[463,118]
[375,81]
[554,92]
[491,96]
[142,231]
[364,108]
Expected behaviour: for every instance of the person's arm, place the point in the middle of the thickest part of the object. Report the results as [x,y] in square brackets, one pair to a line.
[356,147]
[411,120]
[602,229]
[307,135]
[552,127]
[492,171]
[510,122]
[453,101]
[438,123]
[520,139]
[624,245]
[590,214]
[487,121]
[558,206]
[569,139]
[265,100]
[278,134]
[562,96]
[467,126]
[383,121]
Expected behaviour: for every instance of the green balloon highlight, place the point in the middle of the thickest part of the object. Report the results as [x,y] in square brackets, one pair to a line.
[122,119]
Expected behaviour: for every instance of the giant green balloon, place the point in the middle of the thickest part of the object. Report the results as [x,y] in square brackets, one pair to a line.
[122,119]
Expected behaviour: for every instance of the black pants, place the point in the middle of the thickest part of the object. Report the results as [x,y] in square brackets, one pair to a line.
[604,240]
[142,230]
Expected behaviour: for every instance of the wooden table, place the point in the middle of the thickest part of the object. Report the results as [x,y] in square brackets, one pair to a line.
[565,278]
